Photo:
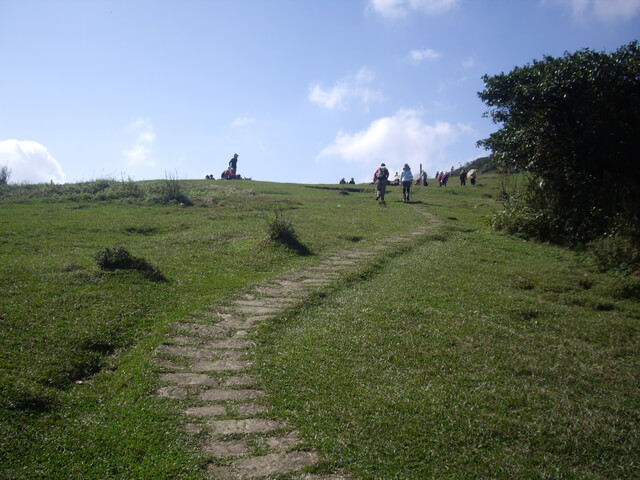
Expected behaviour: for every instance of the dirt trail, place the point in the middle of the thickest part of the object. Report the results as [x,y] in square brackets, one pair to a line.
[207,363]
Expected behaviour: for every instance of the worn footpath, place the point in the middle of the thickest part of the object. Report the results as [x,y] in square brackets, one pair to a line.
[207,363]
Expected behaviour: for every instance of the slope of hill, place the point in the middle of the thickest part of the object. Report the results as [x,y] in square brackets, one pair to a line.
[451,352]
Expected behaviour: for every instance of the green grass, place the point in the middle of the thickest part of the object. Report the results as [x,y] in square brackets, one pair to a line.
[469,354]
[76,341]
[473,355]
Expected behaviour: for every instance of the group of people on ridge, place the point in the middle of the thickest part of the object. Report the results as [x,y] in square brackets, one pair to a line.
[344,182]
[230,173]
[471,175]
[381,179]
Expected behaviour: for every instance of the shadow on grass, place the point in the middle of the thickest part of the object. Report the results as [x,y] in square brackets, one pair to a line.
[118,258]
[297,246]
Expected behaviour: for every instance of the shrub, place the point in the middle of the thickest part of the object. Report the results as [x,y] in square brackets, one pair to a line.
[572,121]
[171,191]
[280,230]
[5,173]
[616,253]
[119,258]
[129,189]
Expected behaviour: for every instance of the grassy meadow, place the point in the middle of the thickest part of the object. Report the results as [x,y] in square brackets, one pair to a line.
[466,354]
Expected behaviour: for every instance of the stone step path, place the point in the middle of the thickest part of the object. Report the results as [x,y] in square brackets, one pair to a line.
[207,364]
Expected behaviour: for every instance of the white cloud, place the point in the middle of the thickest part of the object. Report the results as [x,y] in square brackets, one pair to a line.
[468,62]
[242,121]
[140,152]
[396,140]
[356,87]
[29,162]
[418,56]
[401,8]
[603,10]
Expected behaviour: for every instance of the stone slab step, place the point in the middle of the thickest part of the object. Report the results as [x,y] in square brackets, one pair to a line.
[226,395]
[267,465]
[231,448]
[184,379]
[204,330]
[222,366]
[215,410]
[187,352]
[246,426]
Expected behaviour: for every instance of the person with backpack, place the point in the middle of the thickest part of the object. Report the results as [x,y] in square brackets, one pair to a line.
[406,178]
[380,178]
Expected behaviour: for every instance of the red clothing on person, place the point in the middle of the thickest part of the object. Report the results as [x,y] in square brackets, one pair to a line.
[381,171]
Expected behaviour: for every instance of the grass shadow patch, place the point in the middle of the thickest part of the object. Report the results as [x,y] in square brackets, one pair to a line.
[27,399]
[522,283]
[351,238]
[141,230]
[119,258]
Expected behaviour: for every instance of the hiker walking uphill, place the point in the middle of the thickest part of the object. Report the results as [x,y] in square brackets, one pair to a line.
[406,178]
[380,178]
[463,177]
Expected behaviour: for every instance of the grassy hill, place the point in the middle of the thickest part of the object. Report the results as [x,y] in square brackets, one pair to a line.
[466,354]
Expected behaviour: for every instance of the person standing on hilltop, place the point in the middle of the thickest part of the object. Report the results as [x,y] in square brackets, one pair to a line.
[380,178]
[233,163]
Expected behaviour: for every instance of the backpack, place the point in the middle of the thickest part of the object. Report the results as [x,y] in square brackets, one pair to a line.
[382,173]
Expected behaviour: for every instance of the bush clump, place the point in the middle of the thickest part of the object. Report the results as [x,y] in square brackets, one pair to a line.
[572,123]
[119,258]
[170,191]
[615,252]
[280,230]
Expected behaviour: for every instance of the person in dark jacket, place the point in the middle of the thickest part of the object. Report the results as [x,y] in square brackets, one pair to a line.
[463,177]
[380,178]
[233,163]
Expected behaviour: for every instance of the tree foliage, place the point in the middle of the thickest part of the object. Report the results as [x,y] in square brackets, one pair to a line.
[5,173]
[573,122]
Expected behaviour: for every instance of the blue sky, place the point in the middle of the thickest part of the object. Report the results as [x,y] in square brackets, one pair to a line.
[305,91]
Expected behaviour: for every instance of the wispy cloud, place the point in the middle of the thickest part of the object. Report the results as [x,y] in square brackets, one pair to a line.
[602,10]
[468,62]
[353,87]
[395,9]
[29,162]
[242,121]
[395,140]
[418,56]
[140,153]
[452,83]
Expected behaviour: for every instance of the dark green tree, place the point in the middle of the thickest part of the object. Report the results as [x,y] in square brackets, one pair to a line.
[5,173]
[573,122]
